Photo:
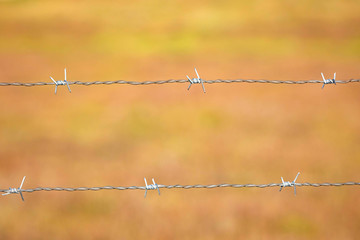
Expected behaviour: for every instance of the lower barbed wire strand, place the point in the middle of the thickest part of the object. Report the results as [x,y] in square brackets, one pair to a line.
[22,84]
[224,185]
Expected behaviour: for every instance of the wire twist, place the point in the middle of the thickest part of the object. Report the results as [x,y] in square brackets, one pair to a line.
[196,186]
[24,84]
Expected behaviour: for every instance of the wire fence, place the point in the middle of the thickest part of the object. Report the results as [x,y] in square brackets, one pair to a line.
[157,187]
[197,186]
[34,84]
[191,81]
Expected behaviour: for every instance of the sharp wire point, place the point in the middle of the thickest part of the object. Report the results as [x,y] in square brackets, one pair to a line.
[202,83]
[22,197]
[197,74]
[146,187]
[189,79]
[189,86]
[323,76]
[157,187]
[296,176]
[22,182]
[191,82]
[68,86]
[283,183]
[53,80]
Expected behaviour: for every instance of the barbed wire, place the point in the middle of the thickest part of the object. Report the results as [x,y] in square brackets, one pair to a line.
[191,81]
[155,186]
[24,84]
[223,185]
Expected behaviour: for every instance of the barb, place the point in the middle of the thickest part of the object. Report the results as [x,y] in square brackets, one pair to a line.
[196,80]
[153,186]
[34,84]
[15,190]
[57,83]
[328,81]
[289,184]
[177,186]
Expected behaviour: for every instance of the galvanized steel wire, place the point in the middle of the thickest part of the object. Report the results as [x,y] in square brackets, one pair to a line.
[25,84]
[177,186]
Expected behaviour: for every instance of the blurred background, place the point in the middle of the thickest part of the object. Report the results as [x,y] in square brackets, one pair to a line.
[235,133]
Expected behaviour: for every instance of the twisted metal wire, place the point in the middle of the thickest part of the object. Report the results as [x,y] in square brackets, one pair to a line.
[23,84]
[197,186]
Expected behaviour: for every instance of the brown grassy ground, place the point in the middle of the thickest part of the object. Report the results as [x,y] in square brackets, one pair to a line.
[239,133]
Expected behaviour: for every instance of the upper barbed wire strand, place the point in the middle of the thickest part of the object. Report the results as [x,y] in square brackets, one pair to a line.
[224,185]
[23,84]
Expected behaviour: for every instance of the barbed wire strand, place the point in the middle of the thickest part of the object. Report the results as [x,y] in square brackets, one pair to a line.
[197,186]
[24,84]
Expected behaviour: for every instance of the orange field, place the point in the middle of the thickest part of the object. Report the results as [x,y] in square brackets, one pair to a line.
[235,133]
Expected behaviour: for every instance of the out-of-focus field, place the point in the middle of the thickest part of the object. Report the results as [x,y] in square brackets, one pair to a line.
[238,133]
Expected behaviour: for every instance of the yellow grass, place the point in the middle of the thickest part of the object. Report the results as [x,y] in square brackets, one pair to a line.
[238,133]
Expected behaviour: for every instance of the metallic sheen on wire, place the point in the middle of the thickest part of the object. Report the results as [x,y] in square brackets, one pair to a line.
[23,84]
[224,185]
